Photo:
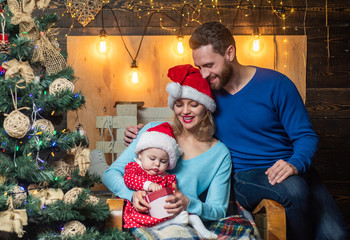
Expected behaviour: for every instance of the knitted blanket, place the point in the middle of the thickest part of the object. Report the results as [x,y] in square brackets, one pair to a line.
[230,228]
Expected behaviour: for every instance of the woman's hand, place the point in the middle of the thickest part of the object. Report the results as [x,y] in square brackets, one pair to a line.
[139,202]
[280,171]
[176,203]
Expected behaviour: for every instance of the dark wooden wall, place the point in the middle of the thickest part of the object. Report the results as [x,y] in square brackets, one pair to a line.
[327,27]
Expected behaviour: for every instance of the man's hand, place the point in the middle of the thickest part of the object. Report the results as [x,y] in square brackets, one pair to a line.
[131,133]
[176,203]
[139,202]
[154,187]
[280,171]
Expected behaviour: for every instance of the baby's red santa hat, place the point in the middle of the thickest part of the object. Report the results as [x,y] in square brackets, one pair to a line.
[188,83]
[161,137]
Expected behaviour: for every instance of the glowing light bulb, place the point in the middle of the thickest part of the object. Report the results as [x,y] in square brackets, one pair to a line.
[257,44]
[180,47]
[135,76]
[103,45]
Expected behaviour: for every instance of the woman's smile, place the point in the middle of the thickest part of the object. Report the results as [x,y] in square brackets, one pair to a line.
[187,119]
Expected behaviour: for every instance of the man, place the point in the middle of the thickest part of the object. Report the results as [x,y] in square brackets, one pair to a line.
[261,118]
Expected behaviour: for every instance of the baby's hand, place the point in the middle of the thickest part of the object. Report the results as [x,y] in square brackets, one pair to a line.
[154,187]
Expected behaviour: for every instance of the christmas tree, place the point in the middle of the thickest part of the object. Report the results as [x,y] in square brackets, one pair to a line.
[42,196]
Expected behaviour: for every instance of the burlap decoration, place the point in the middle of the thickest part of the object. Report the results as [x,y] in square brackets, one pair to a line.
[31,4]
[84,11]
[72,195]
[46,50]
[44,125]
[16,124]
[48,195]
[62,169]
[73,228]
[81,159]
[13,220]
[18,195]
[61,84]
[22,17]
[23,68]
[2,179]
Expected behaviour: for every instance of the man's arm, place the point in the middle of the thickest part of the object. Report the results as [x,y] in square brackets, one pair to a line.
[131,133]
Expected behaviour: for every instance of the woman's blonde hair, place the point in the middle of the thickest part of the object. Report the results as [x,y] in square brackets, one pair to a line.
[206,129]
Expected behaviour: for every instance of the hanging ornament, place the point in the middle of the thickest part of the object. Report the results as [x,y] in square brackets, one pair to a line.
[82,132]
[73,228]
[48,195]
[81,159]
[16,124]
[62,169]
[84,11]
[2,179]
[13,220]
[72,195]
[47,52]
[19,196]
[44,125]
[4,42]
[61,84]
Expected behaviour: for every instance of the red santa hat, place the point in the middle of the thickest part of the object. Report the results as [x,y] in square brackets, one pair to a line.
[188,83]
[162,137]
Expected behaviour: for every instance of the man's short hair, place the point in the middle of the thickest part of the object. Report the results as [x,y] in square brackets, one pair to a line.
[213,33]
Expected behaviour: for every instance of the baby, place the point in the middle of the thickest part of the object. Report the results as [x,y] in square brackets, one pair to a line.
[157,152]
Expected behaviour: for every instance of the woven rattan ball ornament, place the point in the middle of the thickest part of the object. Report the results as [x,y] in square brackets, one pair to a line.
[61,84]
[62,169]
[44,125]
[72,195]
[18,196]
[92,200]
[73,228]
[16,124]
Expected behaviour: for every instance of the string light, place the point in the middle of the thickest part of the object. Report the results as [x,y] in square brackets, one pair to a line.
[180,45]
[103,45]
[135,76]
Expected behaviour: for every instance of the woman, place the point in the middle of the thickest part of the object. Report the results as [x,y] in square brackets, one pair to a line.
[204,166]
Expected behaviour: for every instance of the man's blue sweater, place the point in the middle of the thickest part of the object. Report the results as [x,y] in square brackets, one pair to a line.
[264,122]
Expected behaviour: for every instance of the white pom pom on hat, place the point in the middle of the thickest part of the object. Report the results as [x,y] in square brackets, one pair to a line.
[161,137]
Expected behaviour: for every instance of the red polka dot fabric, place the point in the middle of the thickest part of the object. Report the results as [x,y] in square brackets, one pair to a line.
[134,178]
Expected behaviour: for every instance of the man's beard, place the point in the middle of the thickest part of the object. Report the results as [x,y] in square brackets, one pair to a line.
[224,77]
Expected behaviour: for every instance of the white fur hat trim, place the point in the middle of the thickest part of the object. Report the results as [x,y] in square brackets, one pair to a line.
[177,91]
[154,139]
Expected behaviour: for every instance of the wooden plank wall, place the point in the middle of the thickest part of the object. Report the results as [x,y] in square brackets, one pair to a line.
[328,60]
[104,79]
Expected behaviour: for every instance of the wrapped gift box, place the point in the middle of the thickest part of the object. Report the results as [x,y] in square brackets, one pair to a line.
[157,201]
